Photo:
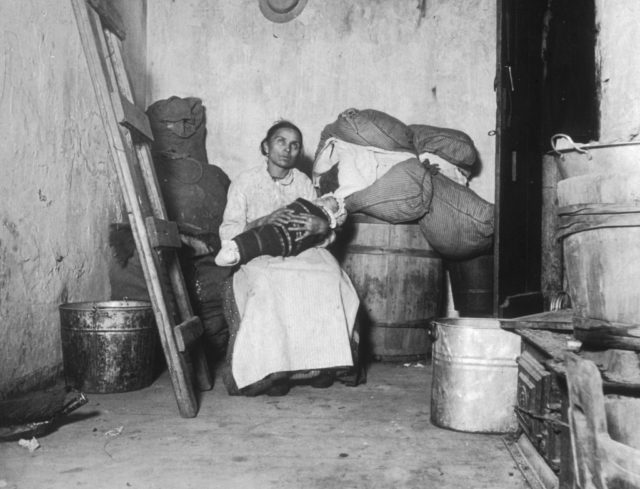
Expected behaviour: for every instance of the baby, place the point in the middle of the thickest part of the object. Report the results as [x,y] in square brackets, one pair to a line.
[277,240]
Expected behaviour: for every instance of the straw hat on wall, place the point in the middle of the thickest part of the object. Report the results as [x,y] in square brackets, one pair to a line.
[282,10]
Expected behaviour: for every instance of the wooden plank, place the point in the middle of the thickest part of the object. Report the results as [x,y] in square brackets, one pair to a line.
[599,334]
[110,17]
[162,234]
[598,460]
[531,464]
[551,263]
[561,320]
[552,343]
[188,332]
[136,119]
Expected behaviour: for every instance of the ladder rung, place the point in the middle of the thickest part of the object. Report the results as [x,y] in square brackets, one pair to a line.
[110,17]
[188,332]
[134,118]
[162,234]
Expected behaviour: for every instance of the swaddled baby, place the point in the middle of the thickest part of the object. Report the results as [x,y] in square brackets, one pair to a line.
[277,240]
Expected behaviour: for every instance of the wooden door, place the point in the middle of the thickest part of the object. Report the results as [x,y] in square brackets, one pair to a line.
[545,85]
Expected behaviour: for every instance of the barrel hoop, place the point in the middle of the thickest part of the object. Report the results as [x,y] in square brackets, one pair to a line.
[590,218]
[382,250]
[365,218]
[598,208]
[417,323]
[96,330]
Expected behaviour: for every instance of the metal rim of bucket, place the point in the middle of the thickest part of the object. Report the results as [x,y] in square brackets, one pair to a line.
[465,322]
[584,147]
[97,305]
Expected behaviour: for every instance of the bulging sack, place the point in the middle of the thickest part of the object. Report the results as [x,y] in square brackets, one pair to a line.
[178,126]
[459,224]
[369,127]
[402,194]
[195,193]
[452,145]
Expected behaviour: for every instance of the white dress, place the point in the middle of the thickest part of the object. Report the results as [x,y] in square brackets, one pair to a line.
[297,313]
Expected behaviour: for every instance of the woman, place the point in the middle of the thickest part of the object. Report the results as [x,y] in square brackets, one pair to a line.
[290,319]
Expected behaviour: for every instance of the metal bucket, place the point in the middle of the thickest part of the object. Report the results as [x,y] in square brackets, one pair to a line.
[578,159]
[475,375]
[108,346]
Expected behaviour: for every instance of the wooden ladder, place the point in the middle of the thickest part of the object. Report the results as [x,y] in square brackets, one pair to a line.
[599,462]
[157,239]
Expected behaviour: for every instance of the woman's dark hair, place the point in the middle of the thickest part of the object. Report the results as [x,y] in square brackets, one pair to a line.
[280,125]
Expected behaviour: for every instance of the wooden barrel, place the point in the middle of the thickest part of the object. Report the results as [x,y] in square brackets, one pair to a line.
[472,285]
[599,223]
[399,280]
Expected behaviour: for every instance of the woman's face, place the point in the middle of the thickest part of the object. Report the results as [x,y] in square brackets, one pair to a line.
[283,148]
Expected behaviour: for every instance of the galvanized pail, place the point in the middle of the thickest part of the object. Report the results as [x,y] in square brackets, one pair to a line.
[579,159]
[474,375]
[108,346]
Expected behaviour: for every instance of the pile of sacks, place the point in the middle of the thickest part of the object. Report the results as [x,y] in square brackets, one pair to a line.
[384,168]
[194,193]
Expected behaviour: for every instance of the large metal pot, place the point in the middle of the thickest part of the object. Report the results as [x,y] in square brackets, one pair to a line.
[577,159]
[108,346]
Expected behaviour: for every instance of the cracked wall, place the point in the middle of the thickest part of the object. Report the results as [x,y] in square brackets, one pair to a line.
[59,188]
[618,57]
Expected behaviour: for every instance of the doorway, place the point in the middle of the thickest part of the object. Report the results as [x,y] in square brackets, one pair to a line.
[545,84]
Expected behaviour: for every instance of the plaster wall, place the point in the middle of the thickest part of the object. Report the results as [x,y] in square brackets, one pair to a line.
[134,19]
[59,188]
[377,54]
[618,56]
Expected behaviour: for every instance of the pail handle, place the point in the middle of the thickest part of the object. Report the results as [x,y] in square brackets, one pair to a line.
[560,300]
[572,145]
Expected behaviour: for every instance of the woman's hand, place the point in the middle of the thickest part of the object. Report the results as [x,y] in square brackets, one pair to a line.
[198,246]
[309,225]
[281,217]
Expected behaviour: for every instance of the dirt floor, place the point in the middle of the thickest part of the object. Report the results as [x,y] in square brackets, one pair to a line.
[373,436]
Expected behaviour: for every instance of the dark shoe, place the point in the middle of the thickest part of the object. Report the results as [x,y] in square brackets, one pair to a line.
[322,381]
[278,389]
